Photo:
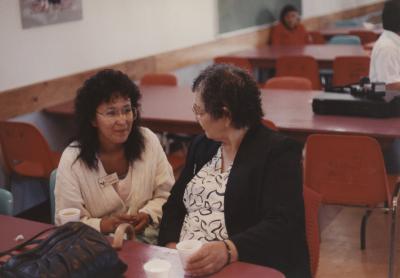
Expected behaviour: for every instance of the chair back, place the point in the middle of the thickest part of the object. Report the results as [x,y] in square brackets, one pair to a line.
[345,39]
[167,79]
[52,187]
[270,124]
[346,169]
[348,23]
[349,69]
[316,37]
[312,202]
[236,61]
[26,152]
[366,36]
[299,66]
[6,202]
[288,83]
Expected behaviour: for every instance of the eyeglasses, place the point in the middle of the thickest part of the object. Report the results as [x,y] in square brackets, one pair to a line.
[113,114]
[197,110]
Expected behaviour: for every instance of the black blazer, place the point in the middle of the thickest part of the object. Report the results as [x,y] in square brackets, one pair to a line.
[264,209]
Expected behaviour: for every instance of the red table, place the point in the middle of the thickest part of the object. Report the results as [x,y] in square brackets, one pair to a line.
[265,57]
[134,254]
[169,109]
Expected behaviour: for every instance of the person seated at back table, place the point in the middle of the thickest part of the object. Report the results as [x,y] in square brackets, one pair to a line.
[115,171]
[289,30]
[385,58]
[385,67]
[241,187]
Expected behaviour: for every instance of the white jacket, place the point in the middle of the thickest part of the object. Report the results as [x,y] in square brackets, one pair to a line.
[77,186]
[385,59]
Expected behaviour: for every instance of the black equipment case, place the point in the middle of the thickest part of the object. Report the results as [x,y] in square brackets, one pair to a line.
[347,104]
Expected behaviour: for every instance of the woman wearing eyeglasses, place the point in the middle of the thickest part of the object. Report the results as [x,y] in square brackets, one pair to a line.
[240,192]
[115,171]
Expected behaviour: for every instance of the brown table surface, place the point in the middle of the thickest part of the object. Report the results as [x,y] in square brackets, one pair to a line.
[265,57]
[169,109]
[333,31]
[134,254]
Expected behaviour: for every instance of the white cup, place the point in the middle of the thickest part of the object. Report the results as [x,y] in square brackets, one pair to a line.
[69,215]
[157,268]
[187,248]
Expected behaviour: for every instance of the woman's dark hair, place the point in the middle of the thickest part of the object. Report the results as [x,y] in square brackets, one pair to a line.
[391,16]
[222,85]
[285,10]
[100,88]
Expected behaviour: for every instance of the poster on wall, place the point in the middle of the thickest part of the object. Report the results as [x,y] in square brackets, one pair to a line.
[36,13]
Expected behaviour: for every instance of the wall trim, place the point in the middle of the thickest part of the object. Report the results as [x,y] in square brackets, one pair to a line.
[37,96]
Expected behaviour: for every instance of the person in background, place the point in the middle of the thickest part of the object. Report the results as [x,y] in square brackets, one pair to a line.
[385,58]
[115,171]
[385,67]
[289,30]
[240,191]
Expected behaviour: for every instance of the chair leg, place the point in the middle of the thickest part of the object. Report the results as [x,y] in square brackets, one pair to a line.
[393,232]
[363,228]
[392,244]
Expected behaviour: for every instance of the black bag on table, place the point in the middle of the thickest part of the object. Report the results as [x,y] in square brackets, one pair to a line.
[71,250]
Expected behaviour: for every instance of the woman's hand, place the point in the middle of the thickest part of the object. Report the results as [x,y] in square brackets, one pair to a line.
[108,224]
[126,218]
[210,258]
[140,222]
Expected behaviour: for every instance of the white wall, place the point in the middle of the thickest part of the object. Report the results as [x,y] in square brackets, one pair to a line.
[312,8]
[110,32]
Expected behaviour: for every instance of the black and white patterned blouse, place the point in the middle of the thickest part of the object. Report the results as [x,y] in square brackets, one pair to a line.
[204,202]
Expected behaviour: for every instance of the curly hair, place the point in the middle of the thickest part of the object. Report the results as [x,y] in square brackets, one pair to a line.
[222,85]
[100,88]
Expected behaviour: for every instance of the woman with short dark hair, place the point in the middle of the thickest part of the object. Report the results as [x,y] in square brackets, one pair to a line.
[115,171]
[289,30]
[240,192]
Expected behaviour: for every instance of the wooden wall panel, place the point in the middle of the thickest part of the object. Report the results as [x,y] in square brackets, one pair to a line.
[40,95]
[207,51]
[37,96]
[323,21]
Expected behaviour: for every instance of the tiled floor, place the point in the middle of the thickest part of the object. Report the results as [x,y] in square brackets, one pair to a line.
[340,254]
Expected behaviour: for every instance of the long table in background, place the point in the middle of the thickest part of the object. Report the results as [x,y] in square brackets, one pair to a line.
[168,109]
[266,56]
[134,254]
